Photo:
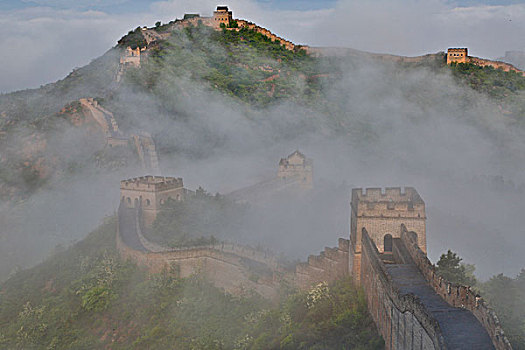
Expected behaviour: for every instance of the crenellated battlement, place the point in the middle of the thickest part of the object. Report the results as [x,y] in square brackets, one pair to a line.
[151,193]
[381,212]
[396,194]
[151,183]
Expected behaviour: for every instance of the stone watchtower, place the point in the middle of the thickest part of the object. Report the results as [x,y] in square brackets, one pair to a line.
[130,57]
[151,192]
[296,168]
[222,16]
[382,213]
[457,55]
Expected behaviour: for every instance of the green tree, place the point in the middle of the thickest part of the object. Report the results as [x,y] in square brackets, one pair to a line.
[507,297]
[158,24]
[450,268]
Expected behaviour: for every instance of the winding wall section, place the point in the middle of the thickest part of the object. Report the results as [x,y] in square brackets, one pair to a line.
[412,307]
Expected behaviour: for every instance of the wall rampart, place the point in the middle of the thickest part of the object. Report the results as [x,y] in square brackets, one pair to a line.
[250,25]
[329,266]
[507,67]
[151,183]
[402,320]
[454,294]
[227,265]
[396,194]
[232,267]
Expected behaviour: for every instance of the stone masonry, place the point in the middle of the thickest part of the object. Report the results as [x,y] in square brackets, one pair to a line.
[412,307]
[460,55]
[382,213]
[151,192]
[296,167]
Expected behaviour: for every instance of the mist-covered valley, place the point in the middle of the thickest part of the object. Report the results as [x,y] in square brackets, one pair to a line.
[223,110]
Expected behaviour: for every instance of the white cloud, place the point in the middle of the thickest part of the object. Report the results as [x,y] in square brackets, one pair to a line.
[44,44]
[76,3]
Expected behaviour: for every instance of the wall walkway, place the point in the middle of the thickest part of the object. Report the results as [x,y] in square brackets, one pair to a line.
[412,311]
[457,296]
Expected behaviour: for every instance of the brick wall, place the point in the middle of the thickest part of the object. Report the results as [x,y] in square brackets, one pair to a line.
[329,266]
[402,320]
[496,64]
[456,295]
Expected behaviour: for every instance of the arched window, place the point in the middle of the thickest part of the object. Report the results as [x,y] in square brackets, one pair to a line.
[387,244]
[178,197]
[129,200]
[136,202]
[148,202]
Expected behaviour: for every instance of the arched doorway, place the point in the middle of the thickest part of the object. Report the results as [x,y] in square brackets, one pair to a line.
[387,243]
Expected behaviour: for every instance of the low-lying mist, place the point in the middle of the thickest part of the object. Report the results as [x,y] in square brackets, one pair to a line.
[379,125]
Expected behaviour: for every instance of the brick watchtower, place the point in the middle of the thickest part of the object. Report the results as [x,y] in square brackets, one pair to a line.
[222,16]
[381,214]
[296,168]
[457,55]
[151,192]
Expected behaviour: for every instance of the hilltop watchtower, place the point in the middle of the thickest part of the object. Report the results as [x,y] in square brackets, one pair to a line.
[222,16]
[457,55]
[151,192]
[296,167]
[382,213]
[130,57]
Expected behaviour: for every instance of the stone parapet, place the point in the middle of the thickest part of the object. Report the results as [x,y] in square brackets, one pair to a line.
[329,266]
[456,295]
[506,67]
[151,183]
[402,320]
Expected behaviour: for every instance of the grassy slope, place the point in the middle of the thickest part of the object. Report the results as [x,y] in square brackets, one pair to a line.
[86,297]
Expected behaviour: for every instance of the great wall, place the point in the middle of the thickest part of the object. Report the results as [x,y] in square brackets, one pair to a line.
[143,144]
[222,19]
[460,55]
[412,307]
[385,253]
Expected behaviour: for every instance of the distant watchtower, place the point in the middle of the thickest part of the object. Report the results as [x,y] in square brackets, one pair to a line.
[381,214]
[296,167]
[151,192]
[130,57]
[222,15]
[457,55]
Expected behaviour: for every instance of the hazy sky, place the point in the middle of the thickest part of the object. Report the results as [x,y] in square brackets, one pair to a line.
[43,40]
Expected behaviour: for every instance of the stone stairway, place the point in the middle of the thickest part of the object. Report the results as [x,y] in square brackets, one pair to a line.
[387,258]
[460,328]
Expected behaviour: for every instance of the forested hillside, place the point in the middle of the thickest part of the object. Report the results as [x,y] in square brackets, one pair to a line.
[223,107]
[87,297]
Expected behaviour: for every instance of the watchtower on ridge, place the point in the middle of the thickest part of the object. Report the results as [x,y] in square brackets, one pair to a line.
[296,167]
[381,213]
[457,55]
[151,192]
[222,16]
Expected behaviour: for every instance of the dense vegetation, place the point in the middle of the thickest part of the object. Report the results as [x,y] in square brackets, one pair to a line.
[506,295]
[87,297]
[508,88]
[451,269]
[242,64]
